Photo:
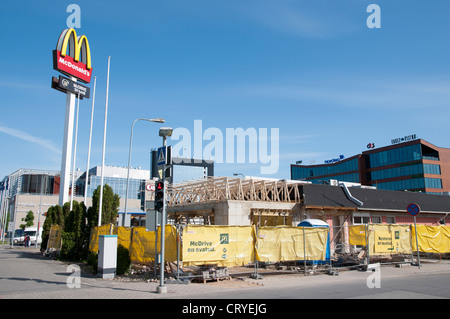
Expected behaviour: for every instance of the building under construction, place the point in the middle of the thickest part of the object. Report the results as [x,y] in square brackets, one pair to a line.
[266,202]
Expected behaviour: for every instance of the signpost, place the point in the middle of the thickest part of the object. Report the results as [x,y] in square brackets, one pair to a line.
[414,210]
[65,85]
[71,57]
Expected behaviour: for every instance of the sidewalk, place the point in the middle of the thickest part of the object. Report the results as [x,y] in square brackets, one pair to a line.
[49,280]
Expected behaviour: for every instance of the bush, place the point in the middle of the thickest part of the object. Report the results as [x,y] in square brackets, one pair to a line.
[92,260]
[68,248]
[123,260]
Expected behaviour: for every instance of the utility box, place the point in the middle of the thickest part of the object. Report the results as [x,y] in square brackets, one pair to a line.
[107,256]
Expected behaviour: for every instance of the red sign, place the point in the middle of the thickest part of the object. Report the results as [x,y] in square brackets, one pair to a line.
[69,66]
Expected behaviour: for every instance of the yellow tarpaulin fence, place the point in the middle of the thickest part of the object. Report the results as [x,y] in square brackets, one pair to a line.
[139,242]
[400,239]
[383,238]
[95,232]
[389,239]
[291,243]
[54,237]
[143,244]
[357,235]
[226,246]
[222,245]
[432,239]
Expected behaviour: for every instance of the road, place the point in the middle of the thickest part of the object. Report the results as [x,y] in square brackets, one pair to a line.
[26,275]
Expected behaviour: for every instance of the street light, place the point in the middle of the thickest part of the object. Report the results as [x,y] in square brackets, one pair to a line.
[158,120]
[163,132]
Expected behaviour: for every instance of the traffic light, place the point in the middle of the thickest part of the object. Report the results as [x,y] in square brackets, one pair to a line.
[160,195]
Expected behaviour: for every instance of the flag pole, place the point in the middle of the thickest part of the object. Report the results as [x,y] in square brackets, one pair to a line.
[89,147]
[104,144]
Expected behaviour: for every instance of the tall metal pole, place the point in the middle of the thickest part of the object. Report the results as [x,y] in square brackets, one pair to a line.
[104,144]
[67,149]
[74,153]
[159,120]
[89,147]
[162,288]
[417,243]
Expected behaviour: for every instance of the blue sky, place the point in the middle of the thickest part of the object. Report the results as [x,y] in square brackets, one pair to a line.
[312,69]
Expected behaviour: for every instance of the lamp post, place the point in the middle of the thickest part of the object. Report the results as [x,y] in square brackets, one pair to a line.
[163,132]
[159,120]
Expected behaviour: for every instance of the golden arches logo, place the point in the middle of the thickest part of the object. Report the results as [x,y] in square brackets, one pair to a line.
[73,55]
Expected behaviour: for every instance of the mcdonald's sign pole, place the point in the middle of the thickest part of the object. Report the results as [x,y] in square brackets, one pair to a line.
[72,57]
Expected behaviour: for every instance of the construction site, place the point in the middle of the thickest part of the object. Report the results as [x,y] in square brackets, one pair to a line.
[219,227]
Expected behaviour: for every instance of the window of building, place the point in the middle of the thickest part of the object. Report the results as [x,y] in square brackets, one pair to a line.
[432,169]
[361,218]
[333,171]
[433,183]
[394,156]
[390,220]
[376,219]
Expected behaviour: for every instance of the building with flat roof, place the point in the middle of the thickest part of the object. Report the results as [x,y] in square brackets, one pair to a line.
[416,165]
[36,190]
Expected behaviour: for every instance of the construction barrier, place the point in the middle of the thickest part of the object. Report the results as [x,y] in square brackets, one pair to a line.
[231,246]
[54,237]
[382,239]
[389,239]
[401,239]
[139,242]
[222,245]
[95,232]
[432,239]
[143,244]
[357,235]
[286,243]
[123,236]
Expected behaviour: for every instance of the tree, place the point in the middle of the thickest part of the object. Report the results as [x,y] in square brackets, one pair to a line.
[54,216]
[110,207]
[29,220]
[76,234]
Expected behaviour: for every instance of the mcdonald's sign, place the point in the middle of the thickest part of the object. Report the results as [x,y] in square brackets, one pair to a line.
[73,56]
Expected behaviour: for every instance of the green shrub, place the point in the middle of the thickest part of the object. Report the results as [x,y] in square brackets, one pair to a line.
[123,260]
[68,248]
[92,260]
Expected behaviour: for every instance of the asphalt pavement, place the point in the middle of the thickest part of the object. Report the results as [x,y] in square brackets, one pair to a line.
[24,274]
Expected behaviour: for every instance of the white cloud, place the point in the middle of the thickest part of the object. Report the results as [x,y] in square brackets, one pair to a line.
[30,138]
[349,92]
[314,19]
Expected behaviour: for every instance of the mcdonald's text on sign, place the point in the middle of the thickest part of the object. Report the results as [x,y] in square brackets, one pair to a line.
[73,56]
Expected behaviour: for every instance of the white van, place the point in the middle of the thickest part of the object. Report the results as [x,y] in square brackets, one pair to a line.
[31,231]
[18,236]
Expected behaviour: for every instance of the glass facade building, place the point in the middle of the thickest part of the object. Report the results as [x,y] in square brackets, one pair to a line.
[414,166]
[346,170]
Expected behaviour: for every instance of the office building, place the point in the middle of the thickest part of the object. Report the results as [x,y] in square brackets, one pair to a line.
[36,190]
[416,165]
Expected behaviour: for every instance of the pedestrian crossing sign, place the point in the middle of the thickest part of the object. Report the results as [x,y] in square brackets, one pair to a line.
[163,156]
